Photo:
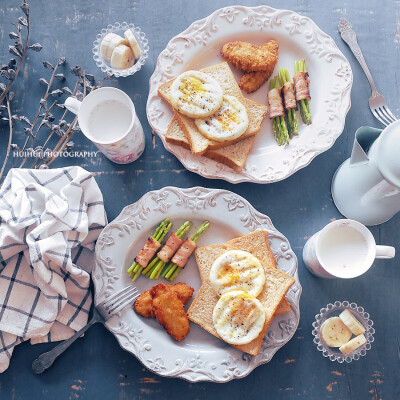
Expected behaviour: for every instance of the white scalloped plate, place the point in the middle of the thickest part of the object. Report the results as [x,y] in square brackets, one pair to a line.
[200,356]
[299,37]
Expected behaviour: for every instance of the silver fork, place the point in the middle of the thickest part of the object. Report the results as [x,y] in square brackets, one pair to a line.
[101,313]
[377,102]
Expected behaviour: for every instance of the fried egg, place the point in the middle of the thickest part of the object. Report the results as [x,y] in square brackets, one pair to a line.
[228,123]
[237,270]
[196,94]
[238,317]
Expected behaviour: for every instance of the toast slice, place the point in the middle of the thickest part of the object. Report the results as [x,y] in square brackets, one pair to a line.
[234,155]
[256,243]
[199,144]
[200,312]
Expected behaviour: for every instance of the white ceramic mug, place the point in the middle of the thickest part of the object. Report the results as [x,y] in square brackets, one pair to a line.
[107,117]
[343,249]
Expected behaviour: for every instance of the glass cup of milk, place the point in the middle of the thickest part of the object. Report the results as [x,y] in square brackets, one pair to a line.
[343,249]
[107,117]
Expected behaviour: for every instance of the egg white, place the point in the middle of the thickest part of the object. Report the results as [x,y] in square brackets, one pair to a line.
[228,123]
[196,94]
[237,270]
[238,317]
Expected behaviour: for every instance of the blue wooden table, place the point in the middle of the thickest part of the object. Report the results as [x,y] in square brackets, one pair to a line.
[95,366]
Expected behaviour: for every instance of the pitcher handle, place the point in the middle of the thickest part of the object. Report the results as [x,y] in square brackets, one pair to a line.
[73,104]
[385,251]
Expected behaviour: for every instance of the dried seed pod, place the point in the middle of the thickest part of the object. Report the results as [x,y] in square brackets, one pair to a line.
[23,21]
[25,120]
[13,50]
[66,90]
[47,65]
[36,47]
[57,93]
[25,8]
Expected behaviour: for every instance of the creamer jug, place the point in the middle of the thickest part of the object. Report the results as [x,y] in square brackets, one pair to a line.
[366,187]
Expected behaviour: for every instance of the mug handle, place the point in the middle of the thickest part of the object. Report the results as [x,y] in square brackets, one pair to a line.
[72,104]
[385,251]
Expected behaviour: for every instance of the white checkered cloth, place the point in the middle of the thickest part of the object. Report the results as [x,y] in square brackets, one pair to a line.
[49,221]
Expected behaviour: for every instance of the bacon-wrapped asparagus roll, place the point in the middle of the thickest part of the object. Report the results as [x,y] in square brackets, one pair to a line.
[289,101]
[147,252]
[302,90]
[150,248]
[170,247]
[174,241]
[277,112]
[181,257]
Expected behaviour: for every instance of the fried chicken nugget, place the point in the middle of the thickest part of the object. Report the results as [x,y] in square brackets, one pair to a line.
[144,305]
[248,57]
[183,292]
[251,81]
[170,314]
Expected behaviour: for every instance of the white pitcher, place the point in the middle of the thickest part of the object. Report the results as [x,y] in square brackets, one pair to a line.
[366,187]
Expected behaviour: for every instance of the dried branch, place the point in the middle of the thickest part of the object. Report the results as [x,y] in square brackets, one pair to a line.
[10,123]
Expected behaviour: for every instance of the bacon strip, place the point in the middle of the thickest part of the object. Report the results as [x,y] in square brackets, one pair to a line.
[302,86]
[170,247]
[288,95]
[146,254]
[275,104]
[181,257]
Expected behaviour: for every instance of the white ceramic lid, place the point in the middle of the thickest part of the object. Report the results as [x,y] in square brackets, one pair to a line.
[388,154]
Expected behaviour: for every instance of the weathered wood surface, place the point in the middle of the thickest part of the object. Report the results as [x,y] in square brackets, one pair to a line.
[95,366]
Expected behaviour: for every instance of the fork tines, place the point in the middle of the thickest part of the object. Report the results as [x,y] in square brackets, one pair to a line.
[120,299]
[384,115]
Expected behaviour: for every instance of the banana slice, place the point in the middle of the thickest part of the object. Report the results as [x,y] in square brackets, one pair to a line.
[228,123]
[196,94]
[334,332]
[109,43]
[353,344]
[122,57]
[130,37]
[352,322]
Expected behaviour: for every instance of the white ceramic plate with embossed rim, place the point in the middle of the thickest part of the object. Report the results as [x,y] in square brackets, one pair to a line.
[299,37]
[200,356]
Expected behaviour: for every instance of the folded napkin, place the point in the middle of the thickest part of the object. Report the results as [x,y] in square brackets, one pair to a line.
[49,221]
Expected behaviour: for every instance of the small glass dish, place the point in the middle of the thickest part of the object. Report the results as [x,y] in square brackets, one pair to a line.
[119,29]
[333,310]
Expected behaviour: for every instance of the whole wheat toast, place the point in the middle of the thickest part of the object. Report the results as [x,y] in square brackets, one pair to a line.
[199,144]
[234,155]
[200,312]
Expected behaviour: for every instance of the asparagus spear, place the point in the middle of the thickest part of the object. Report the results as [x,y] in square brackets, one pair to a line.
[135,269]
[293,122]
[172,270]
[154,269]
[278,123]
[300,66]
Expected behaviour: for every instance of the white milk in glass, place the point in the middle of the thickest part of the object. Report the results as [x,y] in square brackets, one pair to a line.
[109,121]
[343,250]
